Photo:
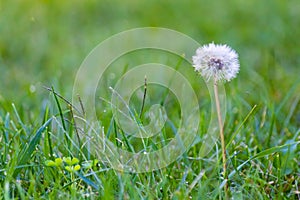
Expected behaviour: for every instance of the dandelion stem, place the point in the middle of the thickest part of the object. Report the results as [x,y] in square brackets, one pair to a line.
[221,132]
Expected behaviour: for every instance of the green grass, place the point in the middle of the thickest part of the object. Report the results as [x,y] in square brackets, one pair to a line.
[43,44]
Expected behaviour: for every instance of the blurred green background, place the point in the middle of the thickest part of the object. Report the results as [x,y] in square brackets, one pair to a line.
[43,43]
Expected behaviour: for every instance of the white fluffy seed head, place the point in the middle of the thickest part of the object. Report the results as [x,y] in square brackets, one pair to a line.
[216,61]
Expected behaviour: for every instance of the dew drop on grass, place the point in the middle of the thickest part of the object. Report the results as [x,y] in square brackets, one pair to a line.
[112,76]
[235,110]
[32,89]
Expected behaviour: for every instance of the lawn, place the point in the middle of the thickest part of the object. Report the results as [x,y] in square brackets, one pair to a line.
[51,147]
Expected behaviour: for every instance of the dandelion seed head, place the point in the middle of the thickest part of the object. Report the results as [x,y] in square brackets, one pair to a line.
[216,61]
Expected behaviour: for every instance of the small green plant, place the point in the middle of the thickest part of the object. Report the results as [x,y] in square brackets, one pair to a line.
[71,165]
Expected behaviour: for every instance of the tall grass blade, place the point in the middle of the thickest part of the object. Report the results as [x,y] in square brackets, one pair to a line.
[26,153]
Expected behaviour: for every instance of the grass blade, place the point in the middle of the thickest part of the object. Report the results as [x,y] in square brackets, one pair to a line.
[28,149]
[264,153]
[240,127]
[88,181]
[59,109]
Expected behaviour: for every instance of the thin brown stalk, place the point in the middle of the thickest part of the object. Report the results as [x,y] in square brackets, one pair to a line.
[144,97]
[221,133]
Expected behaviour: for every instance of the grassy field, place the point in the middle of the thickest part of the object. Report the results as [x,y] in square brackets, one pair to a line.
[43,43]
